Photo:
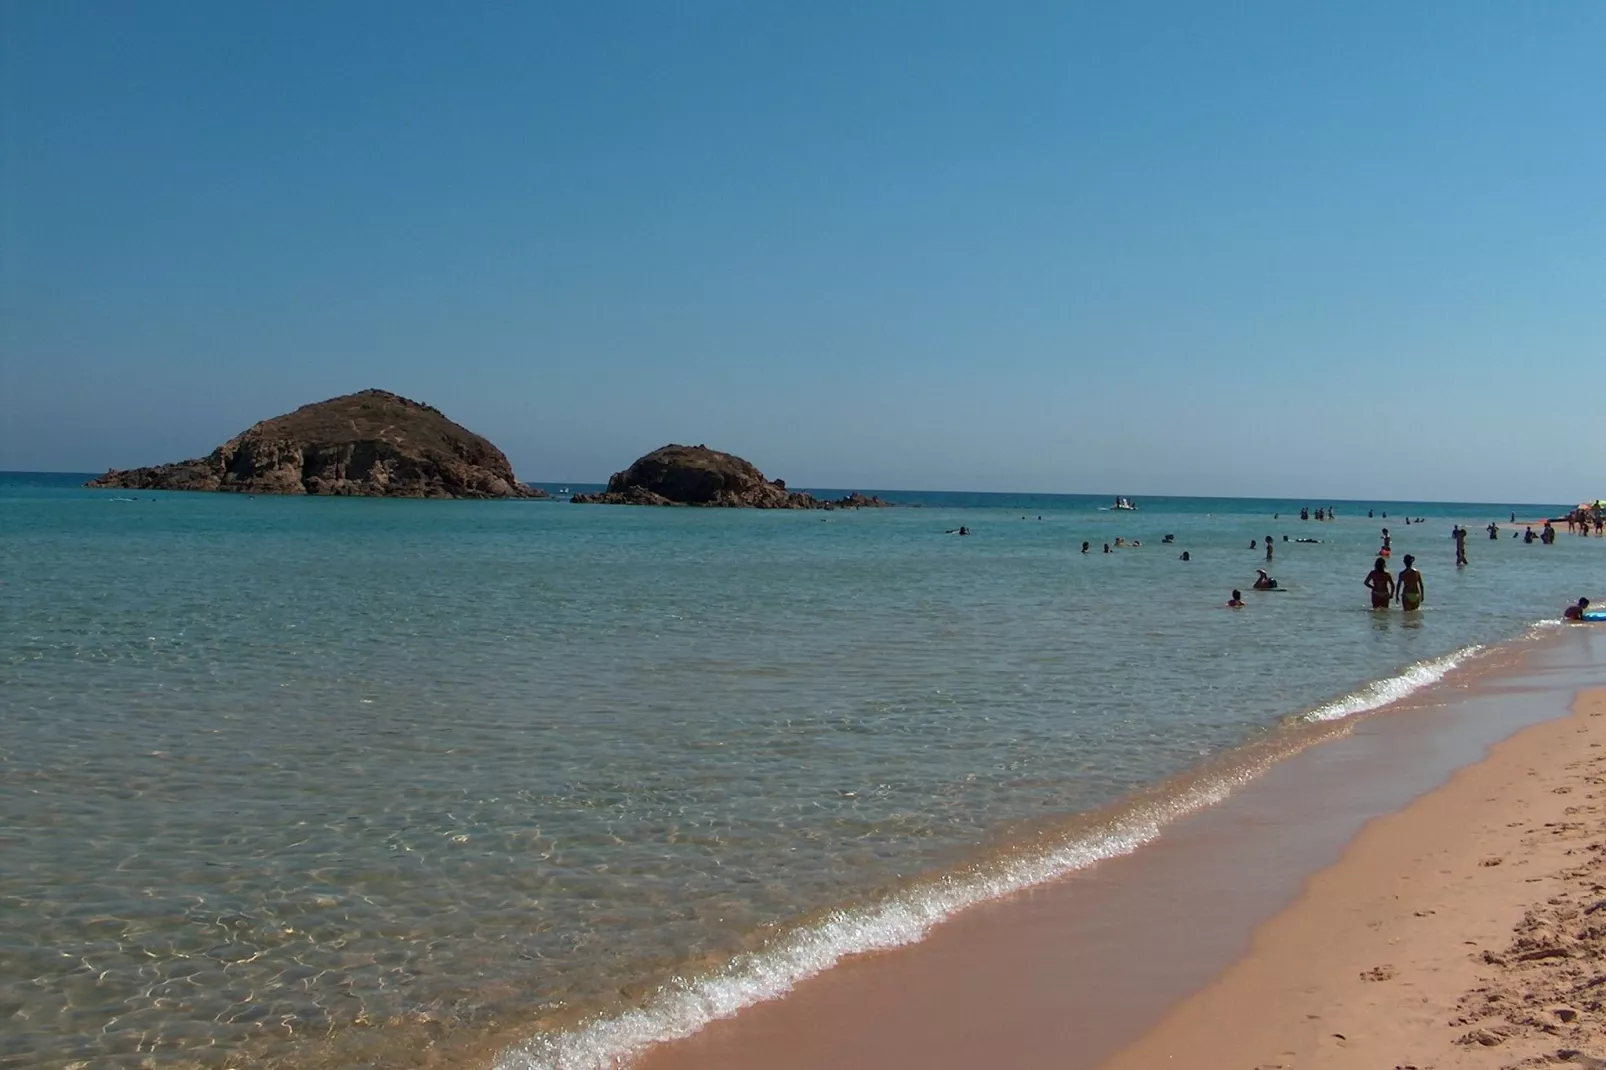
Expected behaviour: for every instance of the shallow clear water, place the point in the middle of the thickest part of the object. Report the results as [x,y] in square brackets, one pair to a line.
[327,780]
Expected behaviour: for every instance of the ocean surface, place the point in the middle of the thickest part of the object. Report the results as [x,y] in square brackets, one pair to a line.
[305,783]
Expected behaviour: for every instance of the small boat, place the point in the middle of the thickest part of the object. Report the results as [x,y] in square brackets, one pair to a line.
[1125,504]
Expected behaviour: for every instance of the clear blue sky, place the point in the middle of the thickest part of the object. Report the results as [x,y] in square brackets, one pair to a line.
[1347,249]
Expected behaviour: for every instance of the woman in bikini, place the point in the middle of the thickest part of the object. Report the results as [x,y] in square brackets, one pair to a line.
[1409,585]
[1381,584]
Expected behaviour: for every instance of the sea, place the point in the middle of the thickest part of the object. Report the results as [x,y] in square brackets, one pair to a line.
[335,782]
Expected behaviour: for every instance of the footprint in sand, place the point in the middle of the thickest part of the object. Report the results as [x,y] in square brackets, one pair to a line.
[1377,973]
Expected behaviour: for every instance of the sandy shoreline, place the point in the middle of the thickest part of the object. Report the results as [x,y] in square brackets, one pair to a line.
[1184,953]
[1467,930]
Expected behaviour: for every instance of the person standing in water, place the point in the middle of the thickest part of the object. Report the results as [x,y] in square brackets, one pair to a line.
[1236,601]
[1460,546]
[1409,586]
[1268,547]
[1381,584]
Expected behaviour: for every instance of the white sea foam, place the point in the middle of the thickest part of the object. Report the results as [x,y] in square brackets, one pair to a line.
[686,1005]
[1380,693]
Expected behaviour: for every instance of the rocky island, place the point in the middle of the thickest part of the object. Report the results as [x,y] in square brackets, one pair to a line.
[697,475]
[371,443]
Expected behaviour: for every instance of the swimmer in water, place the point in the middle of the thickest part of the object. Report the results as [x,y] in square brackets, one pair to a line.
[1575,612]
[1264,582]
[1085,545]
[1409,586]
[1381,584]
[1185,556]
[1236,601]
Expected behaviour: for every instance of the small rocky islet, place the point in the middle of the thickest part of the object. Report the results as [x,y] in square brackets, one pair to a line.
[378,444]
[372,443]
[699,476]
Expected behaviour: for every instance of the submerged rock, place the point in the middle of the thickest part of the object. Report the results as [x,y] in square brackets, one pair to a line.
[697,475]
[372,443]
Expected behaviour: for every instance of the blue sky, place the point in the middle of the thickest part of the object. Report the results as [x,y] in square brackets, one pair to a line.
[1343,250]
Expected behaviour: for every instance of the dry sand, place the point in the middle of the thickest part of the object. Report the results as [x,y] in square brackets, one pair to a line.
[1467,930]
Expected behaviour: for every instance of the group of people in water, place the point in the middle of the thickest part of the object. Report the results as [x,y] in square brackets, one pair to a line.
[1407,588]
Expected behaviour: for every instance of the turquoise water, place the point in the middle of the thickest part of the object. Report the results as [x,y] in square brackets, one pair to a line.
[315,782]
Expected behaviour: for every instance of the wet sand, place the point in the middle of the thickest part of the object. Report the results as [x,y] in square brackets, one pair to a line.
[1155,958]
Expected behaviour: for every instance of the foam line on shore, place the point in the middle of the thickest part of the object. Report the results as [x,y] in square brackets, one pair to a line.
[686,1004]
[1379,693]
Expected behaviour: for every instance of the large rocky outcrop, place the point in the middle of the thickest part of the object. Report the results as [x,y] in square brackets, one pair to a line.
[372,443]
[697,475]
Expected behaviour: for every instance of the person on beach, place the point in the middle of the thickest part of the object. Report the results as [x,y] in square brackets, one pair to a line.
[1409,586]
[1460,546]
[1236,601]
[1575,611]
[1264,582]
[1381,584]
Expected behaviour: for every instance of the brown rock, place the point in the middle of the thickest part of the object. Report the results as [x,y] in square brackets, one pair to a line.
[697,475]
[371,443]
